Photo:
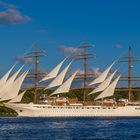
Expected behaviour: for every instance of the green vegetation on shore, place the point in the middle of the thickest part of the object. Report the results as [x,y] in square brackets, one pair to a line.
[4,111]
[78,93]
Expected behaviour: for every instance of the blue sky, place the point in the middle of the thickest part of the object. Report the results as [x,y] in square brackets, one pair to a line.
[110,25]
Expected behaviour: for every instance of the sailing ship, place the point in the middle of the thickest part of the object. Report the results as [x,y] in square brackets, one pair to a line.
[55,106]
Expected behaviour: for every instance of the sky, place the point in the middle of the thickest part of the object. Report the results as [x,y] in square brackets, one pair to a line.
[109,26]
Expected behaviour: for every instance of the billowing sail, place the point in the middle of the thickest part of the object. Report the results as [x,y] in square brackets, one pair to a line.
[104,84]
[9,83]
[102,77]
[109,91]
[14,89]
[5,77]
[65,87]
[18,98]
[54,72]
[59,79]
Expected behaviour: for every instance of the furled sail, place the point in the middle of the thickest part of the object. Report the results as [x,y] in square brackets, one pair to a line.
[18,98]
[14,89]
[54,72]
[109,91]
[9,83]
[59,79]
[104,84]
[102,77]
[5,77]
[65,87]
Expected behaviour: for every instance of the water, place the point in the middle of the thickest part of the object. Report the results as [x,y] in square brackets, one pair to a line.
[69,128]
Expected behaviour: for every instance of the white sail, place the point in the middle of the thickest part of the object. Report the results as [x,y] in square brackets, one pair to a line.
[14,89]
[5,77]
[54,72]
[109,91]
[65,87]
[9,83]
[104,84]
[18,98]
[102,77]
[59,79]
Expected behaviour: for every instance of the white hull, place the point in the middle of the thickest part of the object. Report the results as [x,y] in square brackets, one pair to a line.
[35,110]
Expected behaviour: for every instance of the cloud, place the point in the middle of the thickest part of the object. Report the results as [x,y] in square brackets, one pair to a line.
[69,50]
[7,5]
[93,71]
[118,46]
[23,60]
[11,15]
[96,71]
[42,31]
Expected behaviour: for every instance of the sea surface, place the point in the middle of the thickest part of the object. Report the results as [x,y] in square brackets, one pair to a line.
[16,128]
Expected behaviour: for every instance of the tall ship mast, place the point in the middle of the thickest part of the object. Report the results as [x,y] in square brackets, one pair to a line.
[36,74]
[86,75]
[130,59]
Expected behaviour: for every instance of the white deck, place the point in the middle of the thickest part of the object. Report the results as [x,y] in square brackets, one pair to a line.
[34,110]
